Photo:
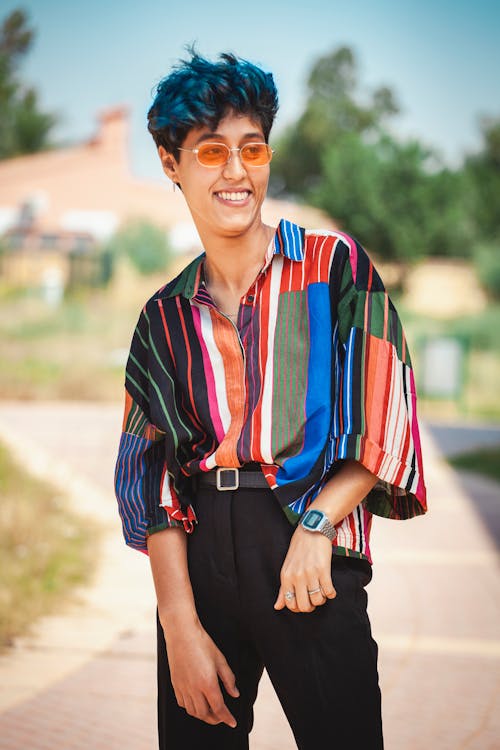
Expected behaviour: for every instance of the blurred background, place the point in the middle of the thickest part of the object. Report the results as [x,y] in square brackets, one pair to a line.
[389,128]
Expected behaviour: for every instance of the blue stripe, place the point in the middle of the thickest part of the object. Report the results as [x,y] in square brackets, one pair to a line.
[338,382]
[347,384]
[318,402]
[289,240]
[130,468]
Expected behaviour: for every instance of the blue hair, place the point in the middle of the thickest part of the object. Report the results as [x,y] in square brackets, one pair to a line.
[200,93]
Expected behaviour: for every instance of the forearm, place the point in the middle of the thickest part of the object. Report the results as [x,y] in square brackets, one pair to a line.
[168,557]
[344,491]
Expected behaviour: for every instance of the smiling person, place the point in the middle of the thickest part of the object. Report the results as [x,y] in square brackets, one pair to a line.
[270,411]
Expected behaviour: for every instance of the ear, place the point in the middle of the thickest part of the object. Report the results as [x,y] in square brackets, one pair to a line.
[169,164]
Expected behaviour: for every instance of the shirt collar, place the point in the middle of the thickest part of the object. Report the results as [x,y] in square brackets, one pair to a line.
[289,240]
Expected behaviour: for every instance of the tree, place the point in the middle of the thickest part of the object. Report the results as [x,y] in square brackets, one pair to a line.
[396,198]
[483,170]
[24,128]
[387,195]
[483,173]
[334,108]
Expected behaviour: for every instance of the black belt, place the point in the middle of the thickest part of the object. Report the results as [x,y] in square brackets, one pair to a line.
[232,479]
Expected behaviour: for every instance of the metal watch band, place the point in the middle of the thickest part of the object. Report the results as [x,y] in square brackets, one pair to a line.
[328,529]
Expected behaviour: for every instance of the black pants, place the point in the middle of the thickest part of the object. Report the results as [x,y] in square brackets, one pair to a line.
[323,664]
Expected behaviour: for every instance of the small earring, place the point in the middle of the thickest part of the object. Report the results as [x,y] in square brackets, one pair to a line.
[173,186]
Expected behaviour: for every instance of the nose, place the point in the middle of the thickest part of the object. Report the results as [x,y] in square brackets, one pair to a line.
[234,167]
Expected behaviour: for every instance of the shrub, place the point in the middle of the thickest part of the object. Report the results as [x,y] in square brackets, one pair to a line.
[487,263]
[143,243]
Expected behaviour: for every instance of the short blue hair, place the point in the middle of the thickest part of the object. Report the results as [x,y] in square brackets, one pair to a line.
[200,93]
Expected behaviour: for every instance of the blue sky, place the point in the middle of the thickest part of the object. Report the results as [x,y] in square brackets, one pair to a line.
[440,58]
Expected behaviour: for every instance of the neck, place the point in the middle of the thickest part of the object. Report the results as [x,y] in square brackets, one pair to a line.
[232,263]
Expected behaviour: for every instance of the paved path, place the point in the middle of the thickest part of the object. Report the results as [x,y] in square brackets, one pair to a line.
[86,678]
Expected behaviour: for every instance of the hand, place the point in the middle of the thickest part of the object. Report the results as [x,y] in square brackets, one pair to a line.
[307,566]
[195,665]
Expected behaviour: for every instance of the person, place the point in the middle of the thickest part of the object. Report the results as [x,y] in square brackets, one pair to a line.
[269,413]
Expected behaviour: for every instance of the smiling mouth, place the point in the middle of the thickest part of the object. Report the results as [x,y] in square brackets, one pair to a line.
[233,196]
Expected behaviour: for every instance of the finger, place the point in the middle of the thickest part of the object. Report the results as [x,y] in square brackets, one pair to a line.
[325,581]
[304,603]
[316,595]
[288,588]
[228,679]
[218,708]
[204,712]
[190,707]
[180,700]
[280,602]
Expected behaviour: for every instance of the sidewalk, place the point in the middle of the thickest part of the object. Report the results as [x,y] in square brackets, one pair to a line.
[86,678]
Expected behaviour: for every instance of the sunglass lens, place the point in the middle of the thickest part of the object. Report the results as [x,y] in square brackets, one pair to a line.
[213,154]
[256,154]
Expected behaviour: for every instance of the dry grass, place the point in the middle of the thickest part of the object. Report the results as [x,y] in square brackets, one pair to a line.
[46,550]
[76,351]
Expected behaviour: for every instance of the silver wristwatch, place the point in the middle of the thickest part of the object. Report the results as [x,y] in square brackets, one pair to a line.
[316,520]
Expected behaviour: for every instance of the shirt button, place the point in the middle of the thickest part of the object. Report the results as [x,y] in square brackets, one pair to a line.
[250,298]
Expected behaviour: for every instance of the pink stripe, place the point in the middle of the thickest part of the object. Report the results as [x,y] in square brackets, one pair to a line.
[367,522]
[353,255]
[420,493]
[209,378]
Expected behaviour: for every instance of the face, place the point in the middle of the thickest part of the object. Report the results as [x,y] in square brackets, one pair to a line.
[224,201]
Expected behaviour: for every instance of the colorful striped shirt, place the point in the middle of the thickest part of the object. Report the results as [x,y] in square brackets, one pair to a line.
[316,370]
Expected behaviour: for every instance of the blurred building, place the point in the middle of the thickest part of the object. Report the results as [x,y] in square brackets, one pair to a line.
[67,201]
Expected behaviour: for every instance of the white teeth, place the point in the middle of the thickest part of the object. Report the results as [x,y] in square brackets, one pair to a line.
[233,196]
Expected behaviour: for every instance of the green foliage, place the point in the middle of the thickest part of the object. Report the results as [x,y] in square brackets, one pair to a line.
[24,128]
[487,262]
[333,110]
[387,196]
[397,198]
[144,244]
[483,171]
[485,461]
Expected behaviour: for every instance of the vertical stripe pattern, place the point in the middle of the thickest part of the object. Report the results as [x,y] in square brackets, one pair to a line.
[316,371]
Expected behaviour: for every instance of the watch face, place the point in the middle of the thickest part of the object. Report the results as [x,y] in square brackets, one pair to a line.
[312,519]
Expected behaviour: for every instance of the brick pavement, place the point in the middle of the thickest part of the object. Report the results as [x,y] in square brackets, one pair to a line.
[86,678]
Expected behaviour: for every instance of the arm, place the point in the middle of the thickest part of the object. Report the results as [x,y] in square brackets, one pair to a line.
[195,661]
[307,565]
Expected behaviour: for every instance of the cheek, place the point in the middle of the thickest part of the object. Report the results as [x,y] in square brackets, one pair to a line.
[263,181]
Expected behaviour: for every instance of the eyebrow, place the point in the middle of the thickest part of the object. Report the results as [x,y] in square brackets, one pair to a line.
[218,137]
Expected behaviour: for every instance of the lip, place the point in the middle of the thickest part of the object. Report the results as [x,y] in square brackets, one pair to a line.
[223,197]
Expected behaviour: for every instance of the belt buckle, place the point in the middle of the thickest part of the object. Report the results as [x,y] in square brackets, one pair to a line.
[221,479]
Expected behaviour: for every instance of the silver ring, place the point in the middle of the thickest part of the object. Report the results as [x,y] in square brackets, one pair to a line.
[314,591]
[289,595]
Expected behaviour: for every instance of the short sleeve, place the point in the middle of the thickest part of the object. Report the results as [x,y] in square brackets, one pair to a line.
[144,483]
[374,414]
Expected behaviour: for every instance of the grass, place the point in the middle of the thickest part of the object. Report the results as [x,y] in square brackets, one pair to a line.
[485,461]
[480,336]
[77,350]
[46,549]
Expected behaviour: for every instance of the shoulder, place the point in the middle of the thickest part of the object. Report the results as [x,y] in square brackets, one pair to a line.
[184,284]
[349,257]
